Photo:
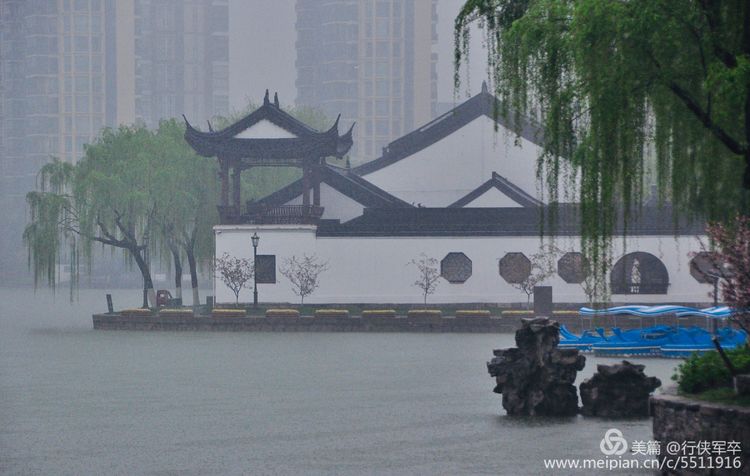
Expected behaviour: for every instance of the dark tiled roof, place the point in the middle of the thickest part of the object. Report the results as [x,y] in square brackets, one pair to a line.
[309,143]
[502,184]
[518,221]
[354,187]
[483,104]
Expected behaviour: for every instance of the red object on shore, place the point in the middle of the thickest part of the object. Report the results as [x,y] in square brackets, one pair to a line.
[162,297]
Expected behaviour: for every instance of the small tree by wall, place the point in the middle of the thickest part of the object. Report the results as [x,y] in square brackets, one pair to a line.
[234,273]
[303,273]
[733,252]
[542,268]
[429,275]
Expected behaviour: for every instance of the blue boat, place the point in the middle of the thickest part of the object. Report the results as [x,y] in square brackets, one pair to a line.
[659,340]
[646,342]
[702,342]
[638,310]
[569,340]
[586,341]
[718,312]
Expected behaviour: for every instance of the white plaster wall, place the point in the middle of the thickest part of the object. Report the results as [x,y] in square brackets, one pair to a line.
[279,240]
[265,129]
[457,164]
[375,269]
[336,205]
[492,198]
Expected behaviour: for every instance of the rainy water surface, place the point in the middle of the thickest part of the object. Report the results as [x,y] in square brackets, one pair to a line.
[78,401]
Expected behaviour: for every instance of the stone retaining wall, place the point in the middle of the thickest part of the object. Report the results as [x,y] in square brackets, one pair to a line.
[681,420]
[306,324]
[324,323]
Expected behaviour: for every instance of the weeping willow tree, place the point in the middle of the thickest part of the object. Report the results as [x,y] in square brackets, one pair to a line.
[633,93]
[107,197]
[136,190]
[188,192]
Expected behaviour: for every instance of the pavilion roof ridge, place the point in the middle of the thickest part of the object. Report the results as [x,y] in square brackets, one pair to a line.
[307,142]
[269,111]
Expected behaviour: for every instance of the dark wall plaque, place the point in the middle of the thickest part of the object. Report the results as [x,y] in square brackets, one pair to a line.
[543,301]
[455,267]
[265,269]
[514,267]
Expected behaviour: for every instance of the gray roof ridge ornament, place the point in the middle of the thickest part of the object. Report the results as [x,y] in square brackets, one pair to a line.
[484,87]
[276,99]
[265,98]
[335,127]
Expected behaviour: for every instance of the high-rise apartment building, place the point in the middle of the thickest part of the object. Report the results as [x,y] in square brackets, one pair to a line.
[70,67]
[370,60]
[181,59]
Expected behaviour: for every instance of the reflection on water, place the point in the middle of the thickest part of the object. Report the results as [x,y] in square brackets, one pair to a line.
[78,401]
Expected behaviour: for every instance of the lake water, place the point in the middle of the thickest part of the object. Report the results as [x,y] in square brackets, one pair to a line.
[78,401]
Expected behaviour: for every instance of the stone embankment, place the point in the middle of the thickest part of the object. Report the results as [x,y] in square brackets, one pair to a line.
[690,423]
[369,321]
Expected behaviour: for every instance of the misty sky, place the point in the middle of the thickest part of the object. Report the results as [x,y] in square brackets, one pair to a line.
[262,54]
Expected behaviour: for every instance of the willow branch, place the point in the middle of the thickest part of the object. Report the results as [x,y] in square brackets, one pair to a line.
[729,60]
[706,120]
[107,241]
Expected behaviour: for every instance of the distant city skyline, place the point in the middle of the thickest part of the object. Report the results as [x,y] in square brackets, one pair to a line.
[260,26]
[68,68]
[373,62]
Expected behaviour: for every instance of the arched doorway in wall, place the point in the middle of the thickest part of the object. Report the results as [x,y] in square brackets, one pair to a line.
[639,273]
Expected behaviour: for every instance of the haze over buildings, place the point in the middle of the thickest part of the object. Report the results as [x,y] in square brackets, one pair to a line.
[275,27]
[371,61]
[70,67]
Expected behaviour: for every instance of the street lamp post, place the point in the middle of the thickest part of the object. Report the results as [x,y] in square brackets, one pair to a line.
[255,239]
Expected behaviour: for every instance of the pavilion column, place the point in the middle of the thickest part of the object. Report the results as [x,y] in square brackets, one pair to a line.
[316,184]
[237,189]
[306,185]
[224,174]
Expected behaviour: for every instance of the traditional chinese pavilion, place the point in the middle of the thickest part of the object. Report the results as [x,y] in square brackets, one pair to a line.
[269,136]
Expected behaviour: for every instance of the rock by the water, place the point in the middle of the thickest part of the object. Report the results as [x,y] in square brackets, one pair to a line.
[616,391]
[536,378]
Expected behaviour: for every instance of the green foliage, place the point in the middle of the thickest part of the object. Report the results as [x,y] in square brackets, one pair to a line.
[632,93]
[48,208]
[106,197]
[187,190]
[134,189]
[724,395]
[704,372]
